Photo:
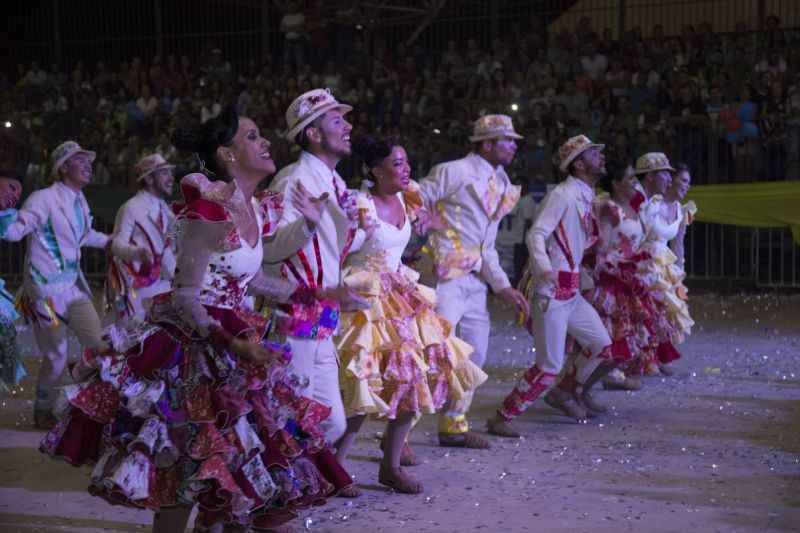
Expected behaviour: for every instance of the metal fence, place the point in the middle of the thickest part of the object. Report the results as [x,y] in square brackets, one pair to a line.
[741,256]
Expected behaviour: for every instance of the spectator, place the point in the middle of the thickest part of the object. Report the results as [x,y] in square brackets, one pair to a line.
[293,27]
[593,62]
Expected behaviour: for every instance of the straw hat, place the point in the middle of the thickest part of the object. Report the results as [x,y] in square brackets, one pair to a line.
[653,162]
[63,152]
[308,106]
[493,127]
[149,164]
[574,147]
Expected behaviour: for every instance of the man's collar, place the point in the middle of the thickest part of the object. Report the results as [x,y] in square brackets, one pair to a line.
[316,162]
[481,162]
[581,184]
[69,191]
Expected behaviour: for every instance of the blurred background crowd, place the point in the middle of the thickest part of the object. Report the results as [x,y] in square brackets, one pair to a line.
[728,104]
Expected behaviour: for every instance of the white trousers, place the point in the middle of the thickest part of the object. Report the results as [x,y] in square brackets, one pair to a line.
[462,302]
[76,312]
[553,320]
[315,363]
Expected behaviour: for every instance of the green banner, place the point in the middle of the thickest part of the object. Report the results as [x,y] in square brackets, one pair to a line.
[774,204]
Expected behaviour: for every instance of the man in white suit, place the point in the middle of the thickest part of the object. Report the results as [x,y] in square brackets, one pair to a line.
[564,229]
[143,262]
[470,197]
[312,256]
[55,294]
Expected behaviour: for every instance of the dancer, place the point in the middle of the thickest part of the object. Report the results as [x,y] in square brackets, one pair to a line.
[563,230]
[471,196]
[620,296]
[195,407]
[674,195]
[143,262]
[11,368]
[666,220]
[398,359]
[662,223]
[55,294]
[313,257]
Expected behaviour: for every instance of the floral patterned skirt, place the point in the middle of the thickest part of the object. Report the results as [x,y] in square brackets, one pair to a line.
[630,312]
[11,368]
[665,279]
[400,355]
[169,419]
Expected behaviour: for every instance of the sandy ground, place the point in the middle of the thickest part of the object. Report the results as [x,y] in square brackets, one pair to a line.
[715,448]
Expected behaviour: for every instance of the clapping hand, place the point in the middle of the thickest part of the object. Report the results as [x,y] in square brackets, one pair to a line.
[309,206]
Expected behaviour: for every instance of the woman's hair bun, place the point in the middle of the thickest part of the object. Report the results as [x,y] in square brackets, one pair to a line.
[372,150]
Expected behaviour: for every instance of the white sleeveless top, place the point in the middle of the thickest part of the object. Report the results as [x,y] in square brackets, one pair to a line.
[387,242]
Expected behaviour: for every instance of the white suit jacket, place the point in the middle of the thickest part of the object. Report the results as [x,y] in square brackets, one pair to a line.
[55,238]
[455,190]
[310,258]
[564,228]
[145,221]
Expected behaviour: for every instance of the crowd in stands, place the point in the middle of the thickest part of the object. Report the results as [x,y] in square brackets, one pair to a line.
[727,104]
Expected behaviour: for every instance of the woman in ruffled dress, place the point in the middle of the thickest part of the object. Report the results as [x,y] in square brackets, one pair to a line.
[664,218]
[398,358]
[619,293]
[675,209]
[11,367]
[195,408]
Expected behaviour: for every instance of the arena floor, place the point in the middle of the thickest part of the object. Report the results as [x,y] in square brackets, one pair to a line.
[715,448]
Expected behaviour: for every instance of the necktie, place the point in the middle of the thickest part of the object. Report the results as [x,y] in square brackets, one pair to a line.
[80,223]
[491,196]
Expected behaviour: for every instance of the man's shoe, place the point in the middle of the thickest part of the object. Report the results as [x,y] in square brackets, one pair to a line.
[497,425]
[589,403]
[565,403]
[44,419]
[463,440]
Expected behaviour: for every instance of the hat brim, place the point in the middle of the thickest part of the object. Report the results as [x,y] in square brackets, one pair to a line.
[292,132]
[159,167]
[565,164]
[60,162]
[490,136]
[656,169]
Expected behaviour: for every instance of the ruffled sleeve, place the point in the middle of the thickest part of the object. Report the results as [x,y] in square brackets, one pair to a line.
[203,224]
[412,198]
[271,204]
[203,199]
[689,210]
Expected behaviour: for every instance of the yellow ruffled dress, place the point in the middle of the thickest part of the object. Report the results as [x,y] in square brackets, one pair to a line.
[667,274]
[398,355]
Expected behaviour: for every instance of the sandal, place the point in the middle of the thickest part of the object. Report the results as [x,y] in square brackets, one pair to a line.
[399,481]
[350,491]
